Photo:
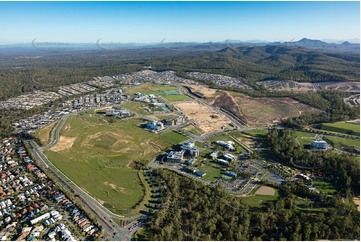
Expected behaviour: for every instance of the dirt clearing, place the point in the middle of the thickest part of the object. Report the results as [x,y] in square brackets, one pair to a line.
[63,144]
[265,190]
[262,110]
[208,93]
[203,117]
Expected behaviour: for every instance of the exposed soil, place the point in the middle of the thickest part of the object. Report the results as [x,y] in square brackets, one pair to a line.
[115,187]
[203,117]
[307,86]
[63,143]
[265,190]
[208,93]
[262,110]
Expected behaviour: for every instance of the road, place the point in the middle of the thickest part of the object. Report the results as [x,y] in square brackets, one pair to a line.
[55,133]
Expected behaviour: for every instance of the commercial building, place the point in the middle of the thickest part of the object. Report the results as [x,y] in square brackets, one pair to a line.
[319,144]
[175,156]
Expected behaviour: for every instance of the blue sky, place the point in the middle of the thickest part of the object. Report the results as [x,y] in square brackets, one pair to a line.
[145,22]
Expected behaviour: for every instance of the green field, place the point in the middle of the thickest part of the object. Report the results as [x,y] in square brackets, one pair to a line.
[306,138]
[259,201]
[212,172]
[306,205]
[342,143]
[136,107]
[325,187]
[101,158]
[150,88]
[342,127]
[256,132]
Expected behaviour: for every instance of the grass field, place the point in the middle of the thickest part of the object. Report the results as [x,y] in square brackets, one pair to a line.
[102,155]
[306,205]
[256,132]
[43,135]
[136,107]
[212,172]
[150,88]
[325,187]
[342,143]
[259,201]
[342,127]
[306,138]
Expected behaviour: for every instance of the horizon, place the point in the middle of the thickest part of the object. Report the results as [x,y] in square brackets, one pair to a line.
[164,42]
[152,22]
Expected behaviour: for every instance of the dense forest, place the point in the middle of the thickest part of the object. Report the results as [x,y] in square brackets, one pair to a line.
[192,211]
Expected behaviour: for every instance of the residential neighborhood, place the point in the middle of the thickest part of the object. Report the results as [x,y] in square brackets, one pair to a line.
[31,206]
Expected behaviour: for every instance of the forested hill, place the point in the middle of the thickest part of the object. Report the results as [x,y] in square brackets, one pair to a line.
[275,62]
[251,63]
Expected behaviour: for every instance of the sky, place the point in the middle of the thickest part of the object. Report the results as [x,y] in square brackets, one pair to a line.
[152,22]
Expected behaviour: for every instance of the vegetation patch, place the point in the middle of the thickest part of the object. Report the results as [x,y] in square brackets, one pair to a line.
[43,134]
[99,158]
[325,187]
[342,127]
[212,173]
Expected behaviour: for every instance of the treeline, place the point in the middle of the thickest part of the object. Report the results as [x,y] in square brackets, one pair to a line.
[344,169]
[334,107]
[193,211]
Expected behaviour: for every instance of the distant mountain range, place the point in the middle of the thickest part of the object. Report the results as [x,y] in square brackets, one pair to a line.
[174,46]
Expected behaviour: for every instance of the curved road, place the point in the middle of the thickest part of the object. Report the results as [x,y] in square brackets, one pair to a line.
[55,133]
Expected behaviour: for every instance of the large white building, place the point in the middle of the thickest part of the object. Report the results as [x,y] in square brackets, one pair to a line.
[319,144]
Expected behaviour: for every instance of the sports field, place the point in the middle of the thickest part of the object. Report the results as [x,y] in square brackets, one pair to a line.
[100,157]
[169,93]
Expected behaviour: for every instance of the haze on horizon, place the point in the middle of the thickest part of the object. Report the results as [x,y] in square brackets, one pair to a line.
[151,22]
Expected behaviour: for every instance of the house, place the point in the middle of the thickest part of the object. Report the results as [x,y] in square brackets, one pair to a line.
[175,156]
[319,144]
[40,218]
